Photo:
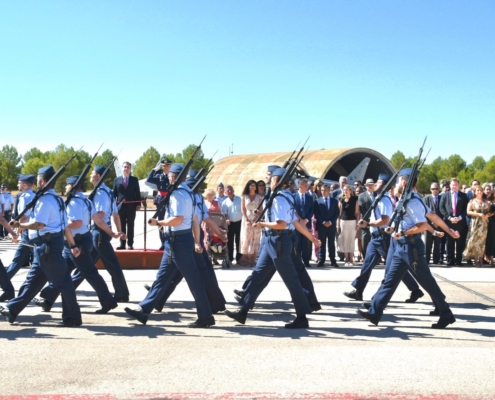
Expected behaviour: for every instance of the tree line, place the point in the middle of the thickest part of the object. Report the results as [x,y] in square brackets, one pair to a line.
[13,163]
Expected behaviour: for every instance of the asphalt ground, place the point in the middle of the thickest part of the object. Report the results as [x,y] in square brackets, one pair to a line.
[339,356]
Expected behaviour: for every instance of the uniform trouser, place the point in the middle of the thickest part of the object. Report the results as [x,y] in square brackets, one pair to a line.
[52,268]
[365,239]
[248,279]
[407,279]
[8,216]
[85,265]
[215,295]
[21,257]
[182,261]
[285,267]
[127,214]
[104,250]
[455,247]
[401,260]
[303,248]
[432,243]
[327,238]
[161,215]
[5,282]
[234,236]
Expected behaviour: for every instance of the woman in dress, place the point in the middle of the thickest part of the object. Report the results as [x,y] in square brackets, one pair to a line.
[490,237]
[347,223]
[250,237]
[478,209]
[212,206]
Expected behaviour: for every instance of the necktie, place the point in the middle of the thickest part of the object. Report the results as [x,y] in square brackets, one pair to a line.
[436,202]
[302,200]
[328,202]
[454,202]
[125,182]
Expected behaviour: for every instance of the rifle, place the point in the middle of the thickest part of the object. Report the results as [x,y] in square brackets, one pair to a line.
[84,172]
[202,170]
[400,210]
[42,191]
[201,180]
[298,154]
[176,183]
[387,187]
[100,181]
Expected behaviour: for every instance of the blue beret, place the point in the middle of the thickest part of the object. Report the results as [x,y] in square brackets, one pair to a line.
[384,177]
[47,170]
[405,171]
[100,169]
[176,168]
[26,178]
[192,173]
[71,180]
[220,185]
[191,182]
[272,168]
[279,172]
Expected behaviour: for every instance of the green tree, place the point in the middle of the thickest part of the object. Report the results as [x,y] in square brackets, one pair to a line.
[10,165]
[478,164]
[146,163]
[199,161]
[105,159]
[451,167]
[35,153]
[397,159]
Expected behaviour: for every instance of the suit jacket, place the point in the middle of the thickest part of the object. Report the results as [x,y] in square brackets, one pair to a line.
[365,201]
[131,193]
[446,206]
[307,211]
[430,202]
[324,214]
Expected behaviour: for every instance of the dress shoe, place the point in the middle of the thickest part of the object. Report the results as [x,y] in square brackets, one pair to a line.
[43,304]
[8,316]
[121,299]
[202,324]
[137,314]
[368,316]
[320,263]
[239,293]
[443,322]
[355,295]
[6,296]
[298,323]
[147,287]
[435,312]
[415,295]
[106,309]
[218,310]
[315,307]
[239,315]
[451,263]
[334,264]
[120,248]
[130,247]
[70,323]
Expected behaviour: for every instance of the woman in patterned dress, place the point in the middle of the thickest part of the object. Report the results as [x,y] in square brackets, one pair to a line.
[250,237]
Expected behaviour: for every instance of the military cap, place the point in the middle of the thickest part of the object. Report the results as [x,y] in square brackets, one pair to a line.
[384,177]
[165,161]
[191,182]
[192,173]
[220,185]
[26,178]
[100,169]
[272,168]
[279,172]
[71,180]
[176,168]
[405,172]
[47,170]
[4,185]
[369,181]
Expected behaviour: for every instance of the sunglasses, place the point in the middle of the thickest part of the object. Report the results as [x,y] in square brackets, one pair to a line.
[434,189]
[291,183]
[261,184]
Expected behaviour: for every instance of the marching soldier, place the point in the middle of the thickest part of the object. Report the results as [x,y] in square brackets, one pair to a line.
[5,283]
[8,206]
[47,227]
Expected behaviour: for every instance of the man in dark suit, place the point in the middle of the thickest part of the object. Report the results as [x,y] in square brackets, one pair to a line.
[433,242]
[365,201]
[126,192]
[453,207]
[326,213]
[304,204]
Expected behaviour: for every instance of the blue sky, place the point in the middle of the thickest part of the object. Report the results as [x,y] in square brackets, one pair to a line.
[258,75]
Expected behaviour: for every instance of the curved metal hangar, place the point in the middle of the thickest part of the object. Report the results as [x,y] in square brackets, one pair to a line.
[356,163]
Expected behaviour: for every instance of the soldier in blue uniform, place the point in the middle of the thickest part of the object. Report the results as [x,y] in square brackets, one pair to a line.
[106,207]
[23,253]
[276,251]
[158,176]
[47,227]
[8,203]
[80,213]
[5,283]
[408,251]
[378,246]
[178,255]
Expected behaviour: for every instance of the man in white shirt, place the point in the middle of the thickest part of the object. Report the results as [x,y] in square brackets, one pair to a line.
[231,207]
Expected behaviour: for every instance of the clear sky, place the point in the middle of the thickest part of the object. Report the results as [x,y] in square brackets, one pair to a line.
[260,75]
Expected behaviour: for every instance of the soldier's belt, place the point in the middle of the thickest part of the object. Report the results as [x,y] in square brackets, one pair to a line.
[275,232]
[46,237]
[177,233]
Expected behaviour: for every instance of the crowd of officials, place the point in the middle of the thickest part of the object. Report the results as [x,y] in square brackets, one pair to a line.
[305,219]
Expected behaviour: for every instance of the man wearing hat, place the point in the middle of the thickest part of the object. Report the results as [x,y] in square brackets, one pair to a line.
[378,245]
[407,250]
[178,255]
[23,253]
[5,283]
[8,207]
[365,201]
[128,195]
[106,207]
[47,227]
[220,197]
[80,213]
[276,251]
[158,176]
